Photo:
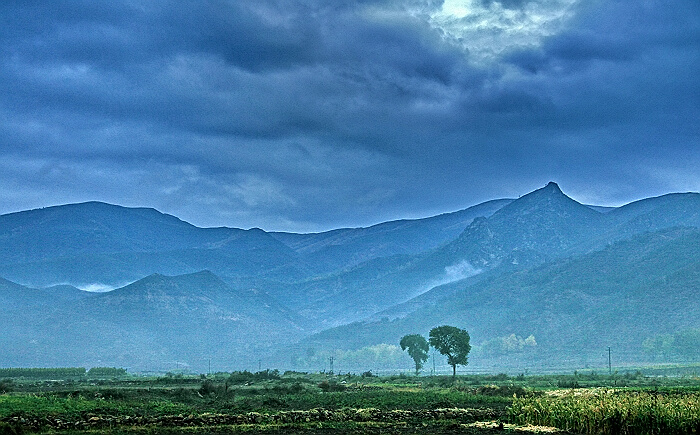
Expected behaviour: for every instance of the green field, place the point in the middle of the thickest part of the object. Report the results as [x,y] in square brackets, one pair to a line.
[270,402]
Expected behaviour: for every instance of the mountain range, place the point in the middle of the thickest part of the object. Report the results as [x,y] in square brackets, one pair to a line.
[577,278]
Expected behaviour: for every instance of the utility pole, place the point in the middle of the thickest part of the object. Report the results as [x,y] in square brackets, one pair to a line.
[209,366]
[259,365]
[331,362]
[434,373]
[609,362]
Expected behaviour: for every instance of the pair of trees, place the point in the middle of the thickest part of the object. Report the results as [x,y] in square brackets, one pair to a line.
[450,341]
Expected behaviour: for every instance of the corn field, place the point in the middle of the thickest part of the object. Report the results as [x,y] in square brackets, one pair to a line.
[612,412]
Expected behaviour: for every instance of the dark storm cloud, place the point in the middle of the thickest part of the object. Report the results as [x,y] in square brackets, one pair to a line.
[508,4]
[618,32]
[312,114]
[196,68]
[621,63]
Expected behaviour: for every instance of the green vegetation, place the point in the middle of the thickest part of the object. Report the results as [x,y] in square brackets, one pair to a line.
[452,342]
[102,372]
[379,355]
[417,347]
[508,344]
[272,402]
[612,412]
[43,373]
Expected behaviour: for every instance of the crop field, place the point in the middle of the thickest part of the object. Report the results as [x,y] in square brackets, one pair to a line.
[270,402]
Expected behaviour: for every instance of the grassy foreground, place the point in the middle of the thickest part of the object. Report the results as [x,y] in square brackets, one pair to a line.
[607,411]
[267,402]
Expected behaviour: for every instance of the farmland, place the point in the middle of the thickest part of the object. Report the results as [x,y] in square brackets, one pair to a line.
[272,402]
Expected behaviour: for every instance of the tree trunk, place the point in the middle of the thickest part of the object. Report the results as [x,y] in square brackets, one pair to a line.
[454,370]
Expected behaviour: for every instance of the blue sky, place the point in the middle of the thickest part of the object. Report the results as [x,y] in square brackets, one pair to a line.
[308,115]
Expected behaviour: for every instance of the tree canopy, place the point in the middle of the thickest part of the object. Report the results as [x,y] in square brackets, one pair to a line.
[452,342]
[417,347]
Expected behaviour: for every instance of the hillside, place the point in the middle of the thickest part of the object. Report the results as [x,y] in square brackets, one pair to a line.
[100,244]
[617,297]
[348,247]
[538,226]
[188,319]
[576,277]
[97,243]
[18,297]
[542,226]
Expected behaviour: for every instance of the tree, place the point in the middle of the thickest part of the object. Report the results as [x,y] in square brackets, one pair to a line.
[417,347]
[453,343]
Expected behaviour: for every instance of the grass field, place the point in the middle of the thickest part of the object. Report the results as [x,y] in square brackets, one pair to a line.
[267,402]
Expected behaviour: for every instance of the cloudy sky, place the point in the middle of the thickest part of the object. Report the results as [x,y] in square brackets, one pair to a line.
[306,115]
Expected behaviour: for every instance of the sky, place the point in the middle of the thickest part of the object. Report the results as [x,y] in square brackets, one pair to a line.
[307,115]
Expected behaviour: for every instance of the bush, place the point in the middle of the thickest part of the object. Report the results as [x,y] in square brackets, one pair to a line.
[274,402]
[502,391]
[327,387]
[248,377]
[8,429]
[183,394]
[207,388]
[568,383]
[6,386]
[295,388]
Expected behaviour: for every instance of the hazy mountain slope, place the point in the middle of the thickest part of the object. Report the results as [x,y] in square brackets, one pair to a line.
[101,243]
[575,307]
[14,296]
[538,226]
[97,243]
[651,214]
[371,287]
[192,296]
[18,297]
[601,209]
[67,292]
[541,226]
[152,323]
[91,228]
[347,247]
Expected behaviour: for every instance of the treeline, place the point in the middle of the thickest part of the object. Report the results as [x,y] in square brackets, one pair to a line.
[379,356]
[106,372]
[61,372]
[507,345]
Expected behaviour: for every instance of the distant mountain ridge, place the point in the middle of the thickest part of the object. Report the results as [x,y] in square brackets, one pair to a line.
[541,264]
[348,247]
[96,242]
[540,226]
[157,319]
[108,244]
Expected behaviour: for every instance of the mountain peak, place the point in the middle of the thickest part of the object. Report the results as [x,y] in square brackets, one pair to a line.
[552,187]
[543,223]
[543,197]
[548,200]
